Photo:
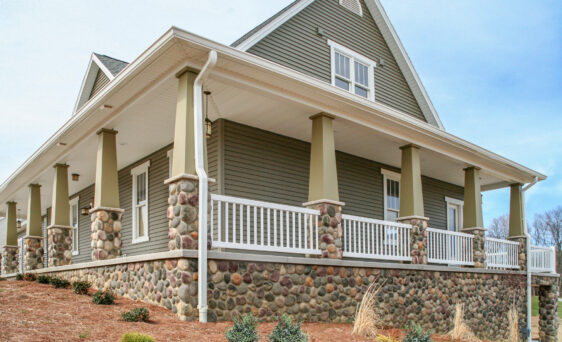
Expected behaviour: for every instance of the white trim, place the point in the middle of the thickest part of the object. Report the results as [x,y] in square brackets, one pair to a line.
[89,79]
[136,171]
[392,175]
[458,205]
[103,67]
[275,23]
[353,57]
[349,9]
[75,230]
[454,201]
[170,154]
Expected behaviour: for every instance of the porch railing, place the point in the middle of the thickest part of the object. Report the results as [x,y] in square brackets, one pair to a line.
[241,223]
[543,259]
[452,248]
[501,254]
[375,239]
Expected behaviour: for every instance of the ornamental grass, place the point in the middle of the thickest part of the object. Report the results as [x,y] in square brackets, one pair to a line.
[513,328]
[461,331]
[367,319]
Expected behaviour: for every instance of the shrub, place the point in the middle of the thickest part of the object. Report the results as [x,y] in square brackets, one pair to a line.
[244,330]
[136,315]
[415,333]
[136,337]
[103,298]
[59,283]
[287,331]
[81,287]
[19,276]
[43,279]
[29,277]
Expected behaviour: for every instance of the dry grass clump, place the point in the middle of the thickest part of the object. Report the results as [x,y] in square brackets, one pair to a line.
[513,328]
[461,331]
[367,320]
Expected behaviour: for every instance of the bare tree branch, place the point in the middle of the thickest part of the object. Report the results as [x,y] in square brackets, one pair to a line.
[499,227]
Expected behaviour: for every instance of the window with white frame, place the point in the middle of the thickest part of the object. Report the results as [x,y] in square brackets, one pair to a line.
[140,202]
[454,214]
[74,216]
[391,190]
[352,72]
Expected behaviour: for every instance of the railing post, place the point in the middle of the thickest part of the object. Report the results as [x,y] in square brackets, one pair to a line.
[553,260]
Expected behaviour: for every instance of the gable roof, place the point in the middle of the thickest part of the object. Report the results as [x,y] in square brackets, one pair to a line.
[109,66]
[389,34]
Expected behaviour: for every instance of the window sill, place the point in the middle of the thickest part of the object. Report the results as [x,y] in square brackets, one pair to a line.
[139,240]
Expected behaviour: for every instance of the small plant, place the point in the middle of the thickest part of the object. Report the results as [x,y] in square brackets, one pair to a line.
[103,298]
[136,337]
[84,334]
[29,277]
[59,283]
[136,315]
[461,331]
[244,330]
[415,333]
[367,320]
[81,287]
[287,331]
[386,338]
[43,279]
[19,276]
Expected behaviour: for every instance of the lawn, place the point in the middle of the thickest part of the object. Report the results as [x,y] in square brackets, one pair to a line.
[535,307]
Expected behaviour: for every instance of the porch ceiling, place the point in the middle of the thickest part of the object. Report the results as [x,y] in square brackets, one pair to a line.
[248,90]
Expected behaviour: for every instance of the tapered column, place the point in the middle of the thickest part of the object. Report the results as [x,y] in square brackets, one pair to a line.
[10,262]
[472,214]
[323,191]
[411,202]
[33,240]
[106,214]
[183,197]
[59,232]
[516,225]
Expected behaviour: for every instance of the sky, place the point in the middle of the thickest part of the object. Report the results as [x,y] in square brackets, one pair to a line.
[493,69]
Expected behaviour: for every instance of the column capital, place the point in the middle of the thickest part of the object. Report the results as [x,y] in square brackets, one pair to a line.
[417,147]
[468,168]
[12,202]
[34,185]
[322,114]
[59,165]
[187,69]
[107,131]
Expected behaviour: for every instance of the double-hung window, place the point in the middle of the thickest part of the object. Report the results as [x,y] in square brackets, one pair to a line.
[352,72]
[391,189]
[454,214]
[140,202]
[74,212]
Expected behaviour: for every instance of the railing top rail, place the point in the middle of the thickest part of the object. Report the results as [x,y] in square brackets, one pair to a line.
[542,248]
[267,205]
[508,242]
[375,221]
[448,232]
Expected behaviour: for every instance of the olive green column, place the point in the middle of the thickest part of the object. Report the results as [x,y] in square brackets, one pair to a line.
[33,240]
[107,184]
[516,227]
[59,232]
[411,196]
[323,179]
[10,260]
[472,215]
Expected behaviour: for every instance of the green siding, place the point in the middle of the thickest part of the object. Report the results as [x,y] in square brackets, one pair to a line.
[297,45]
[261,165]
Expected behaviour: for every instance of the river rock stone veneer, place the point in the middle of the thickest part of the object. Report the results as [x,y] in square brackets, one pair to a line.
[10,263]
[522,251]
[106,233]
[182,214]
[418,239]
[59,245]
[549,288]
[330,231]
[479,246]
[33,253]
[318,293]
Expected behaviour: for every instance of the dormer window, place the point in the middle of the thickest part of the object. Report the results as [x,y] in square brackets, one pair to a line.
[352,72]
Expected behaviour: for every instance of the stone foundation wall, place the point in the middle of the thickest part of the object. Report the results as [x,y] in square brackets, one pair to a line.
[33,253]
[317,293]
[182,214]
[106,234]
[60,246]
[10,262]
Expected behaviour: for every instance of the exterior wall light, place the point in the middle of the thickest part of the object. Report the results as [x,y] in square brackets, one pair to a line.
[85,211]
[18,224]
[75,177]
[208,122]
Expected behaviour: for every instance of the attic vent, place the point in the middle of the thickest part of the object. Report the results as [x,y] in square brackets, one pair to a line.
[352,5]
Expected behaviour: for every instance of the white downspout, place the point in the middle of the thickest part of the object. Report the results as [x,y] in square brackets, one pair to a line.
[203,184]
[528,248]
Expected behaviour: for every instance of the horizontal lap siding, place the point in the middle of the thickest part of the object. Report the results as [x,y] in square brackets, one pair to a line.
[85,199]
[434,192]
[297,45]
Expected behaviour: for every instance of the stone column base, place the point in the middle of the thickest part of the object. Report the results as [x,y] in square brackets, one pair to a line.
[59,248]
[106,233]
[10,260]
[330,231]
[548,312]
[418,238]
[479,245]
[33,253]
[522,250]
[182,213]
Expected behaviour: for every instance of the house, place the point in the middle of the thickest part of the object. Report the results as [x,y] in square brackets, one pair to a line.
[297,167]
